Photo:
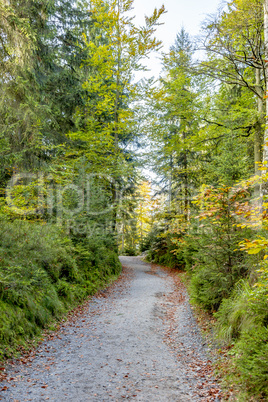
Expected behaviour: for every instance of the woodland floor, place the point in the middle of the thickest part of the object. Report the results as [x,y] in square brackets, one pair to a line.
[136,340]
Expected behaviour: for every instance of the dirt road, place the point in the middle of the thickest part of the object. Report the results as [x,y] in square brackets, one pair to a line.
[138,340]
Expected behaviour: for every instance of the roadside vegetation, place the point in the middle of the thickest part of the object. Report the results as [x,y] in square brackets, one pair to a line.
[43,274]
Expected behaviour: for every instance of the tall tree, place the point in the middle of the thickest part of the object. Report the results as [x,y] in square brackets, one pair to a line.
[175,120]
[41,79]
[234,43]
[114,54]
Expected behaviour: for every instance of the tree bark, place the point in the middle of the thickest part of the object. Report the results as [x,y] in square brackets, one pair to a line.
[186,191]
[116,121]
[258,134]
[170,184]
[265,145]
[258,130]
[264,185]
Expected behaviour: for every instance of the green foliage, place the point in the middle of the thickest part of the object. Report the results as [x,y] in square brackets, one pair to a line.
[230,118]
[217,261]
[43,274]
[232,38]
[252,360]
[241,312]
[242,320]
[161,248]
[40,80]
[209,287]
[130,251]
[173,119]
[214,268]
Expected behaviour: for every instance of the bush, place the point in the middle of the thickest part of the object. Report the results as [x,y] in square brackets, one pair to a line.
[211,283]
[209,286]
[252,361]
[162,248]
[130,251]
[211,252]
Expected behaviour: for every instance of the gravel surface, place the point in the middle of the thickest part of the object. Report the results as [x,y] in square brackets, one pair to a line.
[137,340]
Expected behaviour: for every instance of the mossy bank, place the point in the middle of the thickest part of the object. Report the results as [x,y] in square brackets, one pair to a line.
[44,274]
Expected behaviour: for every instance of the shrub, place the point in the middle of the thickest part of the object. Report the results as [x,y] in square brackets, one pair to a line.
[211,252]
[162,248]
[130,251]
[252,360]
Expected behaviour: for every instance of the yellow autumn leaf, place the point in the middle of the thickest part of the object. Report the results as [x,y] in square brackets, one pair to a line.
[254,250]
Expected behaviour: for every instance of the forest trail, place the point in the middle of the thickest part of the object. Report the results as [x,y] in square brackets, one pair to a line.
[137,340]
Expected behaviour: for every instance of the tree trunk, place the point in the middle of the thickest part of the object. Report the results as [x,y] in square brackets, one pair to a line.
[123,234]
[258,135]
[264,186]
[186,195]
[258,130]
[265,145]
[170,184]
[116,122]
[186,190]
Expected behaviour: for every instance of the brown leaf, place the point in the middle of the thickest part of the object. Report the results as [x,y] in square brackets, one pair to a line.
[4,388]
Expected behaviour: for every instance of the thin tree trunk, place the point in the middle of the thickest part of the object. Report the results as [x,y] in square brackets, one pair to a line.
[264,186]
[258,134]
[186,203]
[116,121]
[170,184]
[258,131]
[265,146]
[123,234]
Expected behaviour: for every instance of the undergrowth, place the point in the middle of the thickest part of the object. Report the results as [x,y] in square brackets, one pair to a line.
[43,274]
[161,249]
[242,322]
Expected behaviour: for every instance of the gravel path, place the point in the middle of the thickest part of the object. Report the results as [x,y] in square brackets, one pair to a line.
[137,340]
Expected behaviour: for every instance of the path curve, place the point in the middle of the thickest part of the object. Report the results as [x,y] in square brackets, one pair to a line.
[137,340]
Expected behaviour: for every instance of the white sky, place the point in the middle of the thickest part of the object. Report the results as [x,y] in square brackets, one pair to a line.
[180,13]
